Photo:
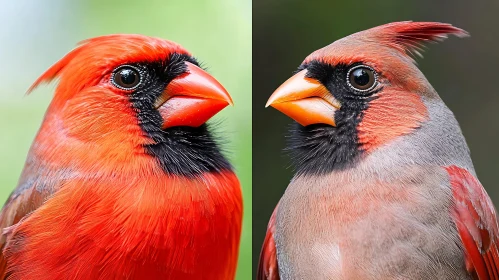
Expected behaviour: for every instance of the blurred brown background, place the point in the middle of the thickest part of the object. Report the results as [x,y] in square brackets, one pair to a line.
[463,71]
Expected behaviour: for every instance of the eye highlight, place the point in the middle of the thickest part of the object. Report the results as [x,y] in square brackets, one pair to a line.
[362,78]
[126,77]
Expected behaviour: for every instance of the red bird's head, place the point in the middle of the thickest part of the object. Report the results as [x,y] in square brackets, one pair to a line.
[129,95]
[358,94]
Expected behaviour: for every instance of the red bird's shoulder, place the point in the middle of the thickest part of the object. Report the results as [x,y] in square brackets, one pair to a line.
[476,221]
[156,228]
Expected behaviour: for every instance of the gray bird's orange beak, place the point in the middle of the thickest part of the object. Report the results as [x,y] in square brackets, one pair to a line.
[305,100]
[191,99]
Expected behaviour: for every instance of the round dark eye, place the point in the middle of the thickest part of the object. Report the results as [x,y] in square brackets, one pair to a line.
[126,77]
[362,78]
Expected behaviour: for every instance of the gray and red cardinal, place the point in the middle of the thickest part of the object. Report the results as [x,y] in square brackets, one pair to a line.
[385,187]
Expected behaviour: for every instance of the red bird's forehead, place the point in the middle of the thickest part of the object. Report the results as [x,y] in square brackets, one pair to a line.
[95,58]
[129,48]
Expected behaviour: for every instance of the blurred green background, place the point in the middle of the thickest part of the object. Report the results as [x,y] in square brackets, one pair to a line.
[35,34]
[463,71]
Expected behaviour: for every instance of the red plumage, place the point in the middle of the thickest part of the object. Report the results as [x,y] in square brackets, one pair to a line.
[94,202]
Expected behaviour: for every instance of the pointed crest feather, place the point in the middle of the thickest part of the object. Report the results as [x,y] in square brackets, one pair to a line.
[411,37]
[55,69]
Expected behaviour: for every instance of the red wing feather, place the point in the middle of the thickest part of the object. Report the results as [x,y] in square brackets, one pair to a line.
[20,204]
[476,221]
[267,267]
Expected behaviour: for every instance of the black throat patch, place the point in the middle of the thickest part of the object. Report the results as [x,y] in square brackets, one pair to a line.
[319,149]
[185,151]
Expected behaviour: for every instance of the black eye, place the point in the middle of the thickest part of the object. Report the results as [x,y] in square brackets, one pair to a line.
[361,78]
[126,77]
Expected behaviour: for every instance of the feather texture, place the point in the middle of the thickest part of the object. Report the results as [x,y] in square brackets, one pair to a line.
[94,198]
[410,37]
[476,220]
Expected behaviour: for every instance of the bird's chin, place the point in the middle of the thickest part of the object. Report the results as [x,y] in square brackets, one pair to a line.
[189,111]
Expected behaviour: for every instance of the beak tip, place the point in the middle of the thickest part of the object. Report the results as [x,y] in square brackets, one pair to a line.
[229,100]
[270,102]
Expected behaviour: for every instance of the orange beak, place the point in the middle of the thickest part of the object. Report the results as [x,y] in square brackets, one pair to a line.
[191,99]
[305,100]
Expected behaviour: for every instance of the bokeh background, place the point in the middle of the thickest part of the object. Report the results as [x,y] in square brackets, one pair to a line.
[35,34]
[463,71]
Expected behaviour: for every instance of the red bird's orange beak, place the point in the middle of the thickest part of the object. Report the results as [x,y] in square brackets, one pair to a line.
[191,99]
[305,100]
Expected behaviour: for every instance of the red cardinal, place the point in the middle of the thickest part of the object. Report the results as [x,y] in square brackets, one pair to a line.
[385,187]
[124,179]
